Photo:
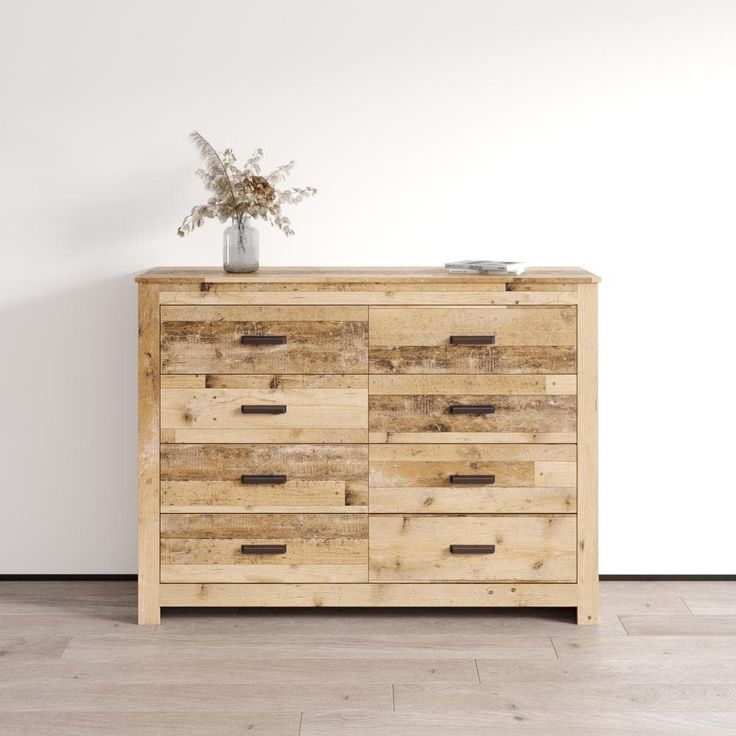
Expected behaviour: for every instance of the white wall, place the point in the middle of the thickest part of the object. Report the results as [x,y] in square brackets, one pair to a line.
[596,133]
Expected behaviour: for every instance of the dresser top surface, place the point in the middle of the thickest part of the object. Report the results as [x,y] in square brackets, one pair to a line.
[308,275]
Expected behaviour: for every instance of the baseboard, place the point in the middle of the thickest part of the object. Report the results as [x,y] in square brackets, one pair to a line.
[696,578]
[68,577]
[605,578]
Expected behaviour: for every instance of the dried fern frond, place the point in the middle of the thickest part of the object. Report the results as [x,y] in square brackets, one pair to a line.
[215,165]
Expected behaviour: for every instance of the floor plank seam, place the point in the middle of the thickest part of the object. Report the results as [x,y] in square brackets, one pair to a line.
[393,697]
[554,648]
[66,646]
[621,621]
[477,669]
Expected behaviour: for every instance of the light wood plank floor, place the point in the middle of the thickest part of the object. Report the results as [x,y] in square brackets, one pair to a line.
[73,663]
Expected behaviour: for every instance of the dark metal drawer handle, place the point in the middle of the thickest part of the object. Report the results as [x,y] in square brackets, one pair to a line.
[262,479]
[473,480]
[263,409]
[263,339]
[477,409]
[473,340]
[472,549]
[263,549]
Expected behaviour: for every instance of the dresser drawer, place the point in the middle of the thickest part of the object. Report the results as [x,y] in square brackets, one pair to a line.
[252,339]
[472,479]
[472,548]
[264,548]
[472,340]
[263,414]
[263,478]
[472,409]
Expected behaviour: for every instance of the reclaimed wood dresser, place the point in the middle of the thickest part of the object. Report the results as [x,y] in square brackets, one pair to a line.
[367,437]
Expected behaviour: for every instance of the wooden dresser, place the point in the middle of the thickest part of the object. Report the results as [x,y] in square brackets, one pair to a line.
[367,437]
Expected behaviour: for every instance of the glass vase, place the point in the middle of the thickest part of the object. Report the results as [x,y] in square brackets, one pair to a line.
[240,247]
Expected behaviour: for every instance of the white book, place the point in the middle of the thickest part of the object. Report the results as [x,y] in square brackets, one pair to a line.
[491,267]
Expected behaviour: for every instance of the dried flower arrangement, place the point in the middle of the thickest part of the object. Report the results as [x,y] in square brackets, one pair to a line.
[241,192]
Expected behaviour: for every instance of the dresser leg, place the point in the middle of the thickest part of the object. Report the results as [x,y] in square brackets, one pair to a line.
[148,615]
[587,614]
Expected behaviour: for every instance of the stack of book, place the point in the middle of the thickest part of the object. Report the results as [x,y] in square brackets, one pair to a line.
[494,267]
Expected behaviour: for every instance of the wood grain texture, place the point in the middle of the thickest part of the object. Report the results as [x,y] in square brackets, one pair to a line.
[261,434]
[380,595]
[193,697]
[113,722]
[207,339]
[440,385]
[319,548]
[474,454]
[527,478]
[577,648]
[429,645]
[283,314]
[564,674]
[225,497]
[723,590]
[595,697]
[527,340]
[148,454]
[472,359]
[265,573]
[266,381]
[680,625]
[710,605]
[328,412]
[27,646]
[374,625]
[300,551]
[521,722]
[264,671]
[379,297]
[651,603]
[528,548]
[208,477]
[587,432]
[400,411]
[475,499]
[433,326]
[271,527]
[286,288]
[28,596]
[110,621]
[340,276]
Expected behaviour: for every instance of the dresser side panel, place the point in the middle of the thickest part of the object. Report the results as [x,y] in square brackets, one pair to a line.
[587,436]
[149,381]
